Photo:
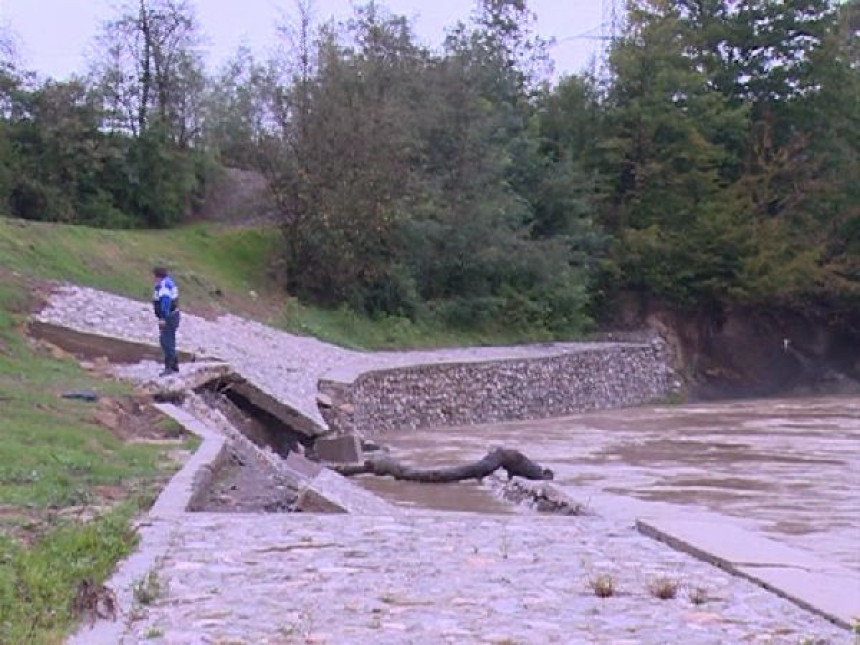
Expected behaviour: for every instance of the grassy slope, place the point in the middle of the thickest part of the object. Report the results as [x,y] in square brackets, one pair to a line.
[217,269]
[54,456]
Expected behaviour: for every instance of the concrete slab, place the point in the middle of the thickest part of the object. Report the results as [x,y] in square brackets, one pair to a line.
[834,596]
[799,576]
[331,492]
[91,346]
[342,450]
[190,377]
[302,467]
[310,501]
[287,414]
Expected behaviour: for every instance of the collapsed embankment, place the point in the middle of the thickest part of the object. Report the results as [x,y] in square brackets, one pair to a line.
[371,393]
[742,352]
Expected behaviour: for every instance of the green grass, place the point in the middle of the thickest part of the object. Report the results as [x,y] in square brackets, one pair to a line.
[52,456]
[216,267]
[346,328]
[38,584]
[219,270]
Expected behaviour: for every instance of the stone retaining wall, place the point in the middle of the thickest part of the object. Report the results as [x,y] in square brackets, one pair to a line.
[448,394]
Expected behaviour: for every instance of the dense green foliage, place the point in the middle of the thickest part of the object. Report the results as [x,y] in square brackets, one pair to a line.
[69,151]
[717,163]
[413,183]
[713,161]
[729,152]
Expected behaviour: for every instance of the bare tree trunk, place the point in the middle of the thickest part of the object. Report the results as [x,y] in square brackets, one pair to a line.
[515,463]
[146,76]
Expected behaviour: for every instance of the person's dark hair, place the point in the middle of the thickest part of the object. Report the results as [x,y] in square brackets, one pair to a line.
[159,272]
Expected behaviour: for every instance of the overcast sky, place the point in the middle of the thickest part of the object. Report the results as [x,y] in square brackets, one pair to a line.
[54,34]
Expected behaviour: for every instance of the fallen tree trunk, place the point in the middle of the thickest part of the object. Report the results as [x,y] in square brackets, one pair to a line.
[515,463]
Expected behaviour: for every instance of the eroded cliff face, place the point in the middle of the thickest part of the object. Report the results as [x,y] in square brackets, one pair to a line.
[746,352]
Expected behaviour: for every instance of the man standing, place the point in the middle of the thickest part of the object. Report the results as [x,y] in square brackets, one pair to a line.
[165,303]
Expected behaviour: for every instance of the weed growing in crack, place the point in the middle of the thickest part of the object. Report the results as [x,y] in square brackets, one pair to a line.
[698,596]
[602,585]
[664,588]
[148,589]
[153,632]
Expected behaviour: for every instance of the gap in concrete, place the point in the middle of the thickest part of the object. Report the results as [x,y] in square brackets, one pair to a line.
[265,429]
[253,477]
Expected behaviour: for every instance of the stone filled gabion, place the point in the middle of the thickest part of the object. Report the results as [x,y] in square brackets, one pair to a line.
[448,394]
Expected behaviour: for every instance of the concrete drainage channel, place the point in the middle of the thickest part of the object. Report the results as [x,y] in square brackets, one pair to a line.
[229,472]
[261,467]
[264,467]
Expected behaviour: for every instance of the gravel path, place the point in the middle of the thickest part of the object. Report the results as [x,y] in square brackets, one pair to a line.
[283,365]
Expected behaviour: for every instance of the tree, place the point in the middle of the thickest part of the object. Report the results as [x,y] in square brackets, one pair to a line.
[408,182]
[149,69]
[728,143]
[346,147]
[238,110]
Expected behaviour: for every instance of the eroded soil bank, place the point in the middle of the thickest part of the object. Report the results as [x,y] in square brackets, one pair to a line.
[744,352]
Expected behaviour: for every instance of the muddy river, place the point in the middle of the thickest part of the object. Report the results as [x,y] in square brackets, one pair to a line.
[788,468]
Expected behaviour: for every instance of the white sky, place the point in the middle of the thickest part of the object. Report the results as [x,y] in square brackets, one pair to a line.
[54,34]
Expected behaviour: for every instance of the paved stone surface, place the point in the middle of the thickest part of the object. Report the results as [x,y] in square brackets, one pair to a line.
[448,579]
[416,577]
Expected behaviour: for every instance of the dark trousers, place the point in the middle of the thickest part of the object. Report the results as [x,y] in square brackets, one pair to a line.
[167,337]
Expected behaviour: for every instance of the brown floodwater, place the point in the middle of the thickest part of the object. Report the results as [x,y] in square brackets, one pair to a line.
[788,468]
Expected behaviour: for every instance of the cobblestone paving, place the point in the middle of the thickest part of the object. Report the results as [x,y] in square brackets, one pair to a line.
[284,365]
[448,579]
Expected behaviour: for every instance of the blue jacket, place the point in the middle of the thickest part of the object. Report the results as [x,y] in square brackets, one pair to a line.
[165,298]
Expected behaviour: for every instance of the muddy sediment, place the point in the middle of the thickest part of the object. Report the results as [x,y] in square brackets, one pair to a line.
[243,485]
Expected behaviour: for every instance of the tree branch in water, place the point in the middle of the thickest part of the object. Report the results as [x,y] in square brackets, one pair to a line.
[515,463]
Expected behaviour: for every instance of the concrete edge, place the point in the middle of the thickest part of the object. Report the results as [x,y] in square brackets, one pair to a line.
[186,486]
[91,345]
[330,492]
[648,529]
[348,375]
[179,495]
